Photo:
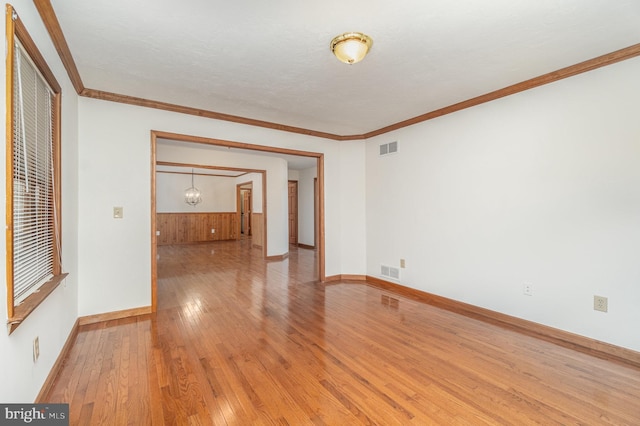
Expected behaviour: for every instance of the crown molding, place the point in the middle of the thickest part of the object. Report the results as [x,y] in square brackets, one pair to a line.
[50,21]
[132,100]
[55,32]
[570,71]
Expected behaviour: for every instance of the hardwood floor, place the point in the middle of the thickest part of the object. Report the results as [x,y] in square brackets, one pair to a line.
[241,341]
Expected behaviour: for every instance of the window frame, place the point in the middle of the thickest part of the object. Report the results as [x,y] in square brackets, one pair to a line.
[17,313]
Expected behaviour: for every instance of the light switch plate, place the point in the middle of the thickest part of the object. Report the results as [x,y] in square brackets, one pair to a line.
[118,213]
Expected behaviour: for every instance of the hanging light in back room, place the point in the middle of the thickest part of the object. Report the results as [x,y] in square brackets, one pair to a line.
[192,195]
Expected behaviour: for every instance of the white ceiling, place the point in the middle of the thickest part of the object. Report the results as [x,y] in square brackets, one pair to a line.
[270,60]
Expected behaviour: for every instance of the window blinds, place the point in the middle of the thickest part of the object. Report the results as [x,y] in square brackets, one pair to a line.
[33,197]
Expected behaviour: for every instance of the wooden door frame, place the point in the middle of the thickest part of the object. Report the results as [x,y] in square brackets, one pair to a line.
[156,134]
[239,203]
[297,211]
[315,212]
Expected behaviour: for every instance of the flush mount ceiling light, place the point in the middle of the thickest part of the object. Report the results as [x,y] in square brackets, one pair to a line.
[192,195]
[351,47]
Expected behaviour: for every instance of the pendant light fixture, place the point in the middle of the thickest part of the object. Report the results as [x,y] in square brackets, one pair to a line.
[192,195]
[351,47]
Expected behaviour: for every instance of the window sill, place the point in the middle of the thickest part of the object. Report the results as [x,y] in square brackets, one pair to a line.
[28,305]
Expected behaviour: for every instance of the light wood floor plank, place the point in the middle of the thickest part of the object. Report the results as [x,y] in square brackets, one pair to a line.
[238,340]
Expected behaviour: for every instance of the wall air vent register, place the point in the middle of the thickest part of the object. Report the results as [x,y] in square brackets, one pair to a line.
[390,272]
[389,148]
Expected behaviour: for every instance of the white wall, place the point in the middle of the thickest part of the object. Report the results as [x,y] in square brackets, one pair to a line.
[542,187]
[21,378]
[293,174]
[256,189]
[218,193]
[306,204]
[353,204]
[115,265]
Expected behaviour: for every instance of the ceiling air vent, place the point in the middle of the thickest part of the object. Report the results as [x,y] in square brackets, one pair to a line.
[389,148]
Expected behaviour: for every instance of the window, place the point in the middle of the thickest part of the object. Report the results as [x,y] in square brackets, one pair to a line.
[33,175]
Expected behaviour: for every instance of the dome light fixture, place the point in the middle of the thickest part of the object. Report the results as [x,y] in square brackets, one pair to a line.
[192,195]
[351,47]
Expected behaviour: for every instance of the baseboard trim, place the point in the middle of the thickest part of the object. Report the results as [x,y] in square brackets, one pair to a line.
[306,246]
[109,316]
[560,337]
[53,373]
[351,277]
[90,319]
[344,277]
[278,257]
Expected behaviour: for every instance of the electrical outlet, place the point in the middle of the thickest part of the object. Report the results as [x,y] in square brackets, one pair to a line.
[118,213]
[213,231]
[402,264]
[36,349]
[527,289]
[600,303]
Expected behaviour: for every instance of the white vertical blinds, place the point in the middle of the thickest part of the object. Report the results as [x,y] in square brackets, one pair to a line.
[33,196]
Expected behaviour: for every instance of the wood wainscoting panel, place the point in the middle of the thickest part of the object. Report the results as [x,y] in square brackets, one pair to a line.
[185,228]
[257,221]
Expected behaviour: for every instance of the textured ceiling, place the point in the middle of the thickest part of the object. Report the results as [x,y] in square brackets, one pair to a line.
[269,60]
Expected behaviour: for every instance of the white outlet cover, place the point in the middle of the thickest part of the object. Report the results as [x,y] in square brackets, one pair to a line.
[600,303]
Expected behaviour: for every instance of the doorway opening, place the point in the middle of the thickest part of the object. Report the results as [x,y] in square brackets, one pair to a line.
[293,212]
[244,210]
[218,144]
